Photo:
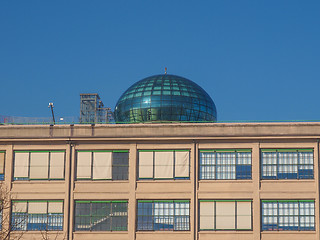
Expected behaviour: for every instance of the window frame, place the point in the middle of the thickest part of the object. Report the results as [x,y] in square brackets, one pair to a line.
[91,202]
[27,216]
[153,216]
[235,215]
[153,164]
[2,176]
[29,160]
[299,228]
[92,159]
[215,165]
[285,150]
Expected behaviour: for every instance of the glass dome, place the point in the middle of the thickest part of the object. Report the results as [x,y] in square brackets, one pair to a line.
[163,98]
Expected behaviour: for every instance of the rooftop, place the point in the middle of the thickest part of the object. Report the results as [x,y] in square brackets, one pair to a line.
[257,130]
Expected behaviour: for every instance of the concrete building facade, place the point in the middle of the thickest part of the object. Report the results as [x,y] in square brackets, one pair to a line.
[163,181]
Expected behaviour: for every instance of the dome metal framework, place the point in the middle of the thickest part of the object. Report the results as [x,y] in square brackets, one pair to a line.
[165,98]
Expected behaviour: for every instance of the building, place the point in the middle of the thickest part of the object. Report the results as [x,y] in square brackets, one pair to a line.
[176,180]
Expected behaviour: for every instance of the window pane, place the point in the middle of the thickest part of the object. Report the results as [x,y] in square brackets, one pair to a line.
[21,165]
[102,165]
[37,207]
[283,164]
[244,218]
[225,215]
[163,165]
[19,221]
[220,164]
[163,215]
[305,170]
[39,165]
[120,165]
[269,215]
[101,216]
[226,166]
[243,168]
[207,165]
[181,164]
[84,162]
[57,165]
[145,164]
[287,165]
[288,215]
[82,216]
[55,222]
[181,216]
[119,216]
[207,215]
[2,156]
[145,216]
[37,222]
[35,215]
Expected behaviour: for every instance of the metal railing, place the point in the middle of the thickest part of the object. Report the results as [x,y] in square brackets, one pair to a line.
[12,120]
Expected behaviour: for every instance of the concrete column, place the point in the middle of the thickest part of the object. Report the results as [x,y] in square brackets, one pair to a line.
[7,186]
[317,179]
[256,191]
[195,189]
[8,164]
[193,199]
[132,191]
[69,199]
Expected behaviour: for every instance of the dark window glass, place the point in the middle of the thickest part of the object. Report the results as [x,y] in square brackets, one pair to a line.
[120,166]
[101,216]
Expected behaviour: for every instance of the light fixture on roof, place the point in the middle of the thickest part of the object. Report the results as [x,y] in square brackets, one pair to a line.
[51,106]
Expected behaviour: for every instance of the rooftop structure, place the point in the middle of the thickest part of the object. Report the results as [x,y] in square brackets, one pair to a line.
[165,98]
[92,109]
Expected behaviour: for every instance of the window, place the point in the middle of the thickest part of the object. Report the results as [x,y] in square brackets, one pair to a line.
[294,215]
[37,215]
[101,215]
[163,215]
[164,164]
[39,165]
[225,164]
[2,160]
[102,165]
[225,215]
[286,164]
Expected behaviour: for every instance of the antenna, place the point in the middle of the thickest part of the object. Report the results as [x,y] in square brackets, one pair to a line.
[51,106]
[165,70]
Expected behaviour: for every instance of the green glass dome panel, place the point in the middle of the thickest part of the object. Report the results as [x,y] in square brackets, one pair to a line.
[163,98]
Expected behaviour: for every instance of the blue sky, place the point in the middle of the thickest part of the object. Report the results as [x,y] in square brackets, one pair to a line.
[258,60]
